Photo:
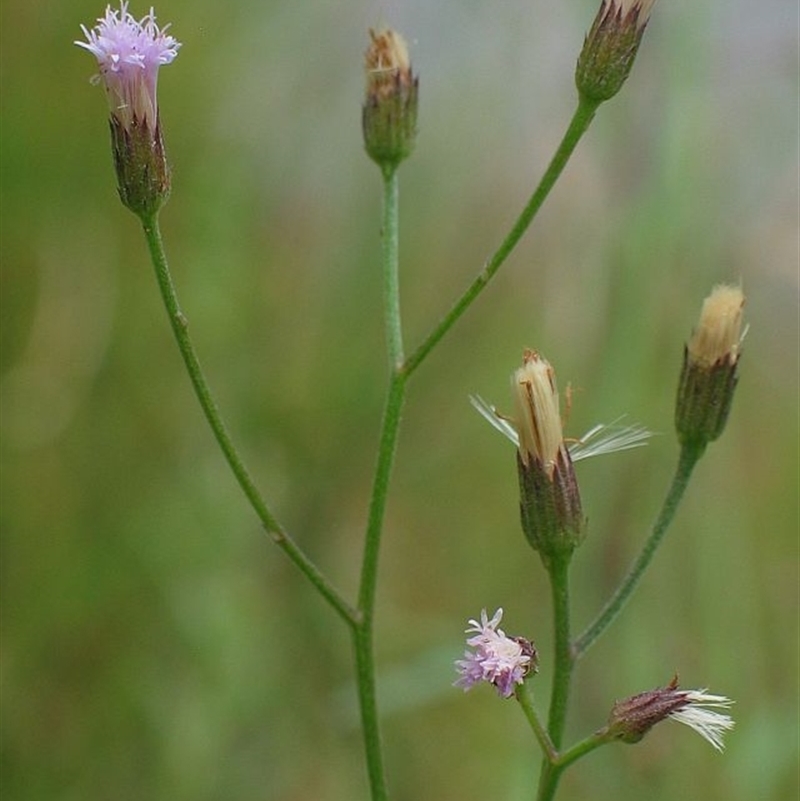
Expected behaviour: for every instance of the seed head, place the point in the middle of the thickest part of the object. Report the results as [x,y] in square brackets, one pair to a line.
[633,717]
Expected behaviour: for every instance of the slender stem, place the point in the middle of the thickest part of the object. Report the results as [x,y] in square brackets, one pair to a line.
[686,461]
[585,746]
[380,488]
[370,726]
[363,632]
[562,672]
[394,398]
[390,263]
[548,782]
[180,328]
[580,122]
[525,698]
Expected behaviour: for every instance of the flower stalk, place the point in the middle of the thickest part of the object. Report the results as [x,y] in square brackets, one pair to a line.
[705,392]
[581,119]
[680,481]
[180,329]
[389,118]
[524,696]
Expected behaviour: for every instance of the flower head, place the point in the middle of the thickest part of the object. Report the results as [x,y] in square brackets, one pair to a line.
[500,660]
[545,457]
[610,47]
[550,503]
[389,114]
[633,717]
[129,54]
[710,366]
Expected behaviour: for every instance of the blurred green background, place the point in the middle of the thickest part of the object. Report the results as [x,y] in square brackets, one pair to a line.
[155,644]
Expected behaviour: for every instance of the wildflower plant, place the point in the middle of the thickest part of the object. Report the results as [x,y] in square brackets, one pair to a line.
[129,54]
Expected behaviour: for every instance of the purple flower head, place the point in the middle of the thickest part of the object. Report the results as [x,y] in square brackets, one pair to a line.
[129,54]
[502,661]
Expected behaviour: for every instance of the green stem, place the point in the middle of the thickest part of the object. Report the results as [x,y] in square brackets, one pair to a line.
[370,726]
[363,632]
[525,698]
[552,770]
[575,752]
[380,490]
[558,570]
[391,271]
[580,122]
[687,460]
[180,328]
[562,674]
[548,781]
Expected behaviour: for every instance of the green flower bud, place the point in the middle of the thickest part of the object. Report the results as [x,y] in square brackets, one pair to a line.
[610,47]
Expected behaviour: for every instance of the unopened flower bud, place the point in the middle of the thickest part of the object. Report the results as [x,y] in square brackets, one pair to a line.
[129,54]
[610,47]
[710,363]
[389,114]
[550,502]
[633,717]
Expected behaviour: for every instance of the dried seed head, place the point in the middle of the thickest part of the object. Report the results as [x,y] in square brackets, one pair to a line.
[633,717]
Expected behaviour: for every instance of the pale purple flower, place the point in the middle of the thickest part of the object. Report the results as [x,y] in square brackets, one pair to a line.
[500,660]
[129,54]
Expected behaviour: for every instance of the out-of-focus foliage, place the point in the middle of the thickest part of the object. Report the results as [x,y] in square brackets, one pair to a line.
[155,644]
